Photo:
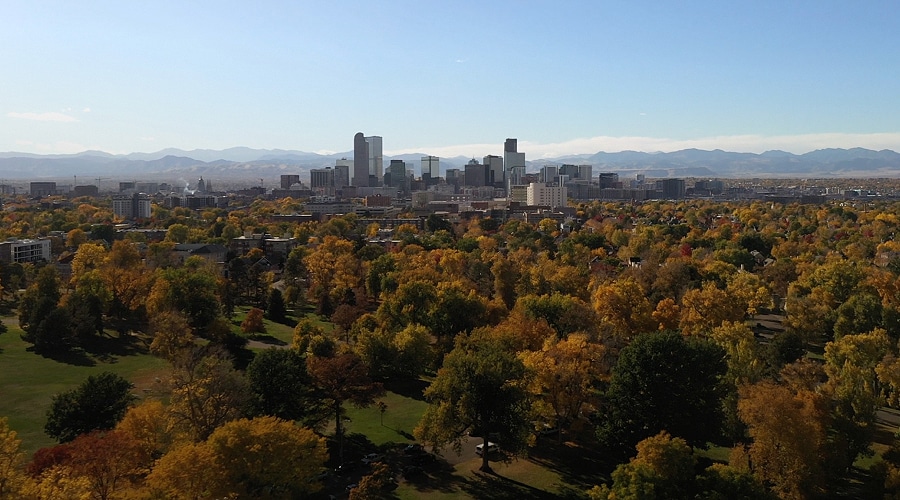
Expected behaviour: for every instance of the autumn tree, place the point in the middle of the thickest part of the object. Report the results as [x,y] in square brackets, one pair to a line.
[343,378]
[187,472]
[109,460]
[663,469]
[206,392]
[253,322]
[481,386]
[706,308]
[565,377]
[12,458]
[623,305]
[376,485]
[99,402]
[663,381]
[266,457]
[190,289]
[854,389]
[172,335]
[389,353]
[789,434]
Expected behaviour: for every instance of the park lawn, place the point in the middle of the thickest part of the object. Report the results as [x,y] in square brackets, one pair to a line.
[400,418]
[278,333]
[28,380]
[517,479]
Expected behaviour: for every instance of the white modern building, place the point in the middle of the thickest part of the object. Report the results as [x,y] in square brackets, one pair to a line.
[540,194]
[514,164]
[25,250]
[376,158]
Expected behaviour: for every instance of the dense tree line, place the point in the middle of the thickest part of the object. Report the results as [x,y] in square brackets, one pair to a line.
[633,330]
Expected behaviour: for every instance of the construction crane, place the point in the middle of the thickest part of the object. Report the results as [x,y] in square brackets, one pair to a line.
[98,181]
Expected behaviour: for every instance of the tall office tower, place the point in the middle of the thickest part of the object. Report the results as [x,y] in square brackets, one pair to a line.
[289,180]
[376,159]
[494,166]
[550,174]
[671,189]
[431,166]
[608,179]
[514,164]
[360,161]
[585,172]
[342,169]
[321,181]
[396,174]
[475,173]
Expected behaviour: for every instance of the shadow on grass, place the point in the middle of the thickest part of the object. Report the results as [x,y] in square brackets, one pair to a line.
[107,349]
[74,357]
[579,466]
[408,388]
[492,485]
[267,339]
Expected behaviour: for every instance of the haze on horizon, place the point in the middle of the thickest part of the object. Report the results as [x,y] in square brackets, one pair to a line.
[449,78]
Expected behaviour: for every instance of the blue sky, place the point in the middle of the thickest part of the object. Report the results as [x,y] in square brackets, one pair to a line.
[449,78]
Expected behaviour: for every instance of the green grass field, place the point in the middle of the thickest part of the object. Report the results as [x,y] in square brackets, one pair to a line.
[28,380]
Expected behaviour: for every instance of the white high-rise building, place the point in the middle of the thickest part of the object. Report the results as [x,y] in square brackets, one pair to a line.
[540,194]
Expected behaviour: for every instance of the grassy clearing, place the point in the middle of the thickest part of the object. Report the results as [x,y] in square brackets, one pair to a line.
[278,334]
[400,418]
[520,479]
[28,380]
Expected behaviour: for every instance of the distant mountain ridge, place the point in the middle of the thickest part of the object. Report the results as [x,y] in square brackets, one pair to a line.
[242,162]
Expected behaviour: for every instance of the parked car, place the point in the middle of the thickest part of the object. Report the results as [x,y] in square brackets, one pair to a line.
[491,447]
[414,449]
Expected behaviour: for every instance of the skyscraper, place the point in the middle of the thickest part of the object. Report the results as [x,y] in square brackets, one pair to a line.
[514,164]
[495,174]
[360,161]
[376,159]
[431,166]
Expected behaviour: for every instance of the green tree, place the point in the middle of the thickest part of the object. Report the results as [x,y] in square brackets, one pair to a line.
[481,386]
[283,388]
[663,469]
[663,381]
[99,402]
[276,311]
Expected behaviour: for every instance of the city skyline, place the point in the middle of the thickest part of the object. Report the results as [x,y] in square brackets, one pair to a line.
[450,80]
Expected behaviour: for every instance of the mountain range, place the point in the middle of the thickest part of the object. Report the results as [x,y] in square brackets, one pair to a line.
[241,162]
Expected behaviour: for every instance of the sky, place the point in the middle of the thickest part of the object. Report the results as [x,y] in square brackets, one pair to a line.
[449,77]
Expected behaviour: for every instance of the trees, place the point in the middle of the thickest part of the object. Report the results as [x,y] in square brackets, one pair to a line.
[46,325]
[207,392]
[663,469]
[481,386]
[343,378]
[282,387]
[565,377]
[266,457]
[663,381]
[788,434]
[253,323]
[12,479]
[98,403]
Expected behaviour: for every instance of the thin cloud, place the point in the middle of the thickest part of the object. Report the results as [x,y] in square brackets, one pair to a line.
[797,144]
[86,110]
[43,117]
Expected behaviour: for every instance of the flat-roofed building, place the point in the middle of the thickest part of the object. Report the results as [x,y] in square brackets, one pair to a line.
[25,250]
